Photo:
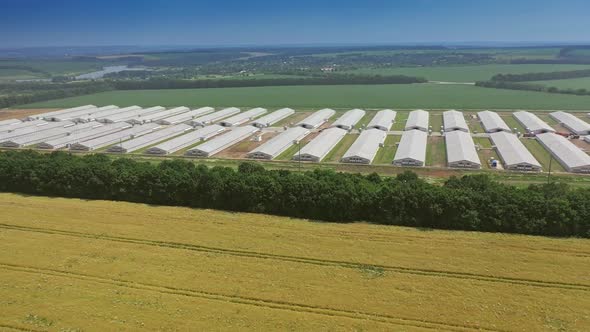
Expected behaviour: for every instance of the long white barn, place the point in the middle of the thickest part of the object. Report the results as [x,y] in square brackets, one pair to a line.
[569,156]
[349,119]
[186,140]
[532,123]
[244,117]
[492,122]
[317,119]
[222,142]
[278,144]
[186,117]
[214,117]
[114,138]
[383,120]
[461,152]
[321,145]
[272,118]
[571,122]
[515,156]
[365,148]
[417,119]
[81,135]
[454,120]
[411,150]
[149,139]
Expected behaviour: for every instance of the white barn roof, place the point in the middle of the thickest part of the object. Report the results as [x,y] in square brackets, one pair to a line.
[106,113]
[117,137]
[40,136]
[383,120]
[81,135]
[214,117]
[149,139]
[572,122]
[454,120]
[411,150]
[21,125]
[492,122]
[513,153]
[222,142]
[417,119]
[365,148]
[278,144]
[349,119]
[128,114]
[186,140]
[241,118]
[317,119]
[34,129]
[461,150]
[570,156]
[185,117]
[272,118]
[321,145]
[49,115]
[532,123]
[9,122]
[72,116]
[153,117]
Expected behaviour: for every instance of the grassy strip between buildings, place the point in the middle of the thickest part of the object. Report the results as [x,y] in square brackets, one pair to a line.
[386,153]
[436,153]
[542,155]
[340,149]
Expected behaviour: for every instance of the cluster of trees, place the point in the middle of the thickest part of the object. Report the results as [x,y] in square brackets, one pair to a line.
[25,93]
[560,61]
[546,76]
[531,87]
[162,83]
[468,203]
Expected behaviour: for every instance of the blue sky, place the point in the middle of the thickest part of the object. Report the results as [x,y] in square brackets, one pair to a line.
[266,22]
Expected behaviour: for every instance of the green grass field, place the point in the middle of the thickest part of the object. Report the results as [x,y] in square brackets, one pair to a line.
[18,74]
[340,149]
[542,155]
[387,152]
[470,73]
[436,121]
[572,83]
[345,96]
[436,153]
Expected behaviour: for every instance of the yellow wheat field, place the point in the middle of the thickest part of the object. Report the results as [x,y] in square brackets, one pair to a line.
[74,265]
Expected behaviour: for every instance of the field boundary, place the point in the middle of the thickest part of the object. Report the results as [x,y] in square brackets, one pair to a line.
[307,260]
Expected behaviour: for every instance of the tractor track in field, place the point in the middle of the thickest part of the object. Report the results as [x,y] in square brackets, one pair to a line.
[18,328]
[270,304]
[307,260]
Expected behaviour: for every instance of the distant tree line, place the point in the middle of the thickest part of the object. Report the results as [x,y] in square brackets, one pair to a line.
[543,76]
[530,87]
[159,83]
[560,61]
[473,202]
[25,93]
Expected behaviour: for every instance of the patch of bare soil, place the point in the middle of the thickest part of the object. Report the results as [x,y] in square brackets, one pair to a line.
[19,114]
[241,149]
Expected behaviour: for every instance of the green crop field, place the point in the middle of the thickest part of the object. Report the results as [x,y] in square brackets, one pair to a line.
[470,73]
[386,153]
[572,83]
[342,96]
[18,74]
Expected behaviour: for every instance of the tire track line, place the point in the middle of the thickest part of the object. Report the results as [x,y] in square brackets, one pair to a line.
[18,328]
[305,260]
[279,305]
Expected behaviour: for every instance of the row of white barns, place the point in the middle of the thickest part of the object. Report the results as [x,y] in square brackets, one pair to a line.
[278,144]
[571,122]
[116,137]
[272,118]
[186,140]
[319,147]
[35,129]
[418,119]
[569,156]
[150,139]
[454,120]
[186,116]
[222,142]
[383,120]
[46,134]
[365,148]
[532,123]
[492,122]
[411,150]
[461,152]
[49,115]
[81,135]
[515,156]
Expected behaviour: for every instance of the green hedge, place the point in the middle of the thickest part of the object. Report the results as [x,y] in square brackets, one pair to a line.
[468,203]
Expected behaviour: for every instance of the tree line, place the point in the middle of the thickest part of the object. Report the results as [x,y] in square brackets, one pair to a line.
[25,93]
[473,202]
[531,87]
[543,76]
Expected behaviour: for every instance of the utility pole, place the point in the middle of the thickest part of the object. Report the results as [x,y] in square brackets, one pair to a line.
[550,162]
[299,158]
